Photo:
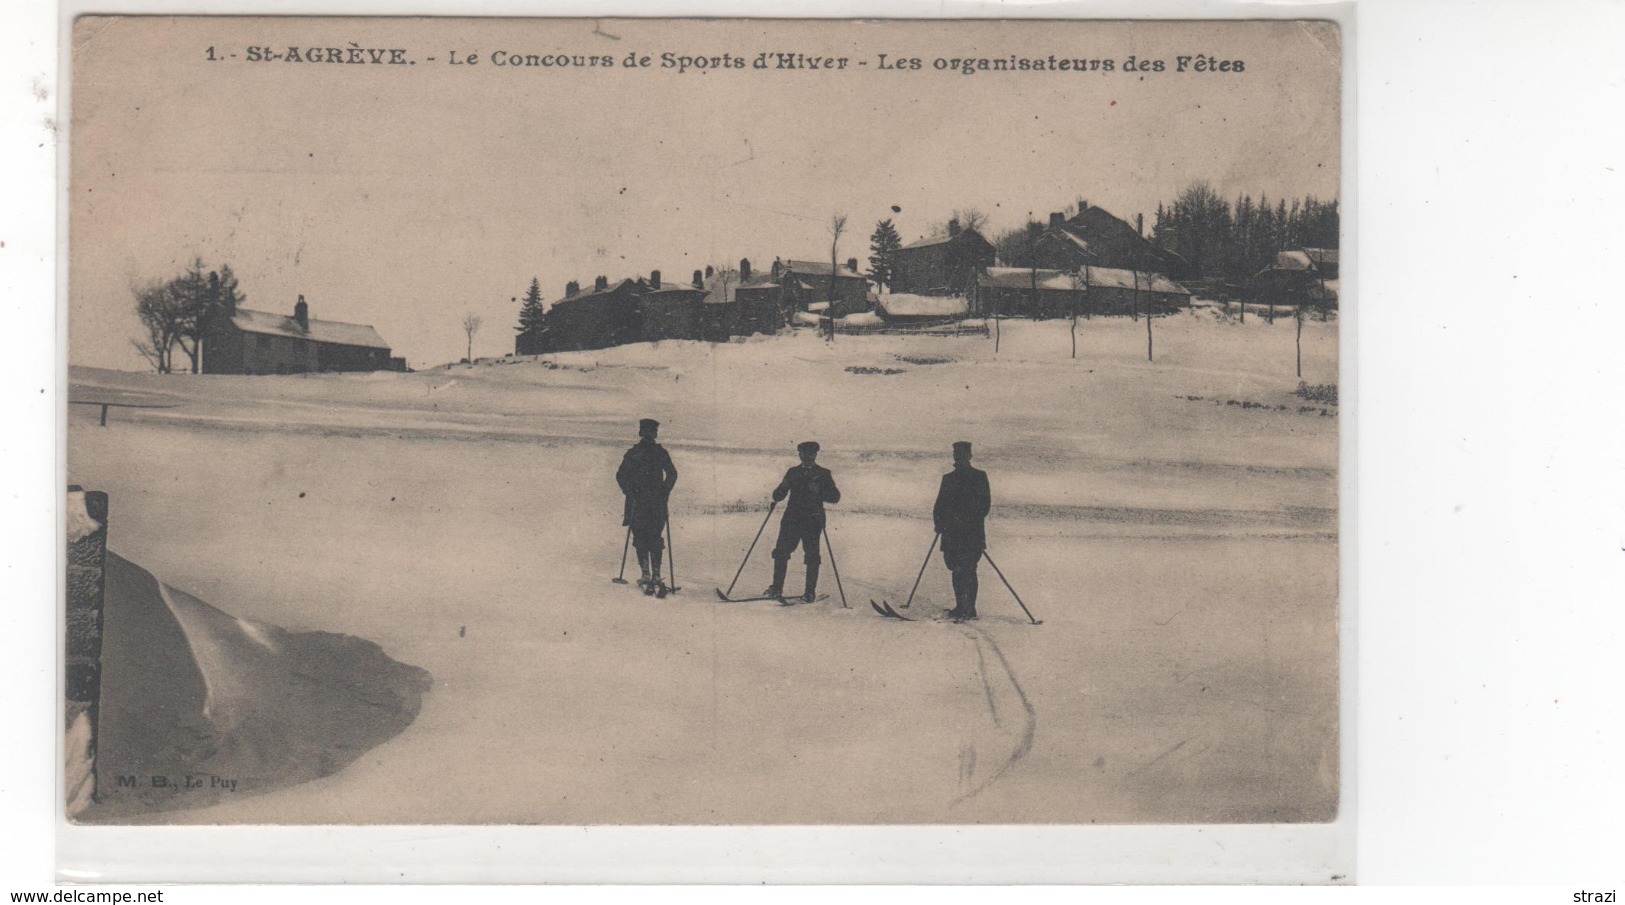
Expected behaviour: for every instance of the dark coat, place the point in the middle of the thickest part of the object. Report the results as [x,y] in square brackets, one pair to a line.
[646,476]
[963,502]
[809,487]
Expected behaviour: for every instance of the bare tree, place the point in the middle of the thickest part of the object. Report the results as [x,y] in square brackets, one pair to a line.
[1297,315]
[471,326]
[837,226]
[162,316]
[967,217]
[1080,285]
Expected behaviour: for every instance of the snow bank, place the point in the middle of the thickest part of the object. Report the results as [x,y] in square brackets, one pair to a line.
[198,706]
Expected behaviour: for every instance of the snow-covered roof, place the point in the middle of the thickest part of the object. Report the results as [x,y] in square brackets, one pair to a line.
[942,239]
[1072,237]
[815,268]
[902,304]
[666,288]
[336,332]
[1293,260]
[592,293]
[1022,278]
[1115,278]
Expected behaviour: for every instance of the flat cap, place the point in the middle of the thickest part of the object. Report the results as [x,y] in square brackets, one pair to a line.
[807,446]
[648,424]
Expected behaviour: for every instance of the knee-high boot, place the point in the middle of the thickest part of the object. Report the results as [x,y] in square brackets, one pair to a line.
[780,566]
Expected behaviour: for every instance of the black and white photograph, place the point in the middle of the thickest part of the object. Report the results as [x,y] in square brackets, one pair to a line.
[703,422]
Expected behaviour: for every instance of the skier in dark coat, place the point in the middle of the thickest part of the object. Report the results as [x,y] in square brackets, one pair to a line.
[963,502]
[809,486]
[646,477]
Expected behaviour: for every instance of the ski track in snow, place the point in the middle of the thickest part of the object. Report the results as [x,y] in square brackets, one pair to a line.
[1191,505]
[1028,730]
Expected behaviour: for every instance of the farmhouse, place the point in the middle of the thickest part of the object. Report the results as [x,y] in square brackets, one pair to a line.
[944,264]
[258,342]
[1096,237]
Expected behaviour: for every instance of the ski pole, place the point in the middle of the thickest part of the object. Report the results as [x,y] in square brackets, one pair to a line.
[752,549]
[1010,589]
[929,550]
[621,578]
[671,554]
[836,569]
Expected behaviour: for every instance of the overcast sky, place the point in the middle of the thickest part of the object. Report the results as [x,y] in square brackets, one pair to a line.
[403,196]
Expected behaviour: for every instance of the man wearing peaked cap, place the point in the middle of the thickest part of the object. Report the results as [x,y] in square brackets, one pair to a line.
[809,486]
[646,477]
[963,502]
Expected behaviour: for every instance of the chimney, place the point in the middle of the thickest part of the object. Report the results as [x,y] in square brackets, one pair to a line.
[953,227]
[778,269]
[600,284]
[654,279]
[744,269]
[1139,224]
[699,279]
[1082,205]
[1056,219]
[571,288]
[301,313]
[852,264]
[710,271]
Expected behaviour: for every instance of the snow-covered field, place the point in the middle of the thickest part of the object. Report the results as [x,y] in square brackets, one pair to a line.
[1180,548]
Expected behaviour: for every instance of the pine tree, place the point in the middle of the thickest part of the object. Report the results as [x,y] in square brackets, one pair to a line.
[883,247]
[532,319]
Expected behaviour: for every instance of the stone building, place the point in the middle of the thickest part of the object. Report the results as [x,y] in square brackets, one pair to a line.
[242,341]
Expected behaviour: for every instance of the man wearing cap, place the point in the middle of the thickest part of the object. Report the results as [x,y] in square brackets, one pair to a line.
[646,477]
[963,502]
[809,486]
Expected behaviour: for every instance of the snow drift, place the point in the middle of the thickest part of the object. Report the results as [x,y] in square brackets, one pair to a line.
[198,705]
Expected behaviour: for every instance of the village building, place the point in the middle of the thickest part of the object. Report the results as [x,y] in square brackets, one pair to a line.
[670,310]
[241,341]
[1026,292]
[946,264]
[761,303]
[1325,261]
[903,309]
[1051,293]
[1096,237]
[1115,290]
[607,315]
[1299,276]
[807,283]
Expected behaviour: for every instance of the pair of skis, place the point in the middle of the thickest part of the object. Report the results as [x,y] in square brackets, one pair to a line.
[660,590]
[782,600]
[885,609]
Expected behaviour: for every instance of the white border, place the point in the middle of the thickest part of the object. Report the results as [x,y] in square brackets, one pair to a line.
[1487,142]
